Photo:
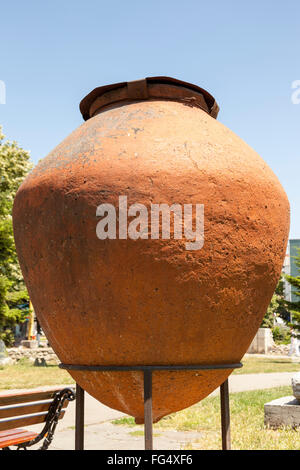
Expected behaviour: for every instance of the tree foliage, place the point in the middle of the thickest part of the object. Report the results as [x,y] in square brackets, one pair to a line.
[14,166]
[278,307]
[269,318]
[294,307]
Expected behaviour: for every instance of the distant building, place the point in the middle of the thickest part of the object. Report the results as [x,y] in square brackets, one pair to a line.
[289,267]
[286,269]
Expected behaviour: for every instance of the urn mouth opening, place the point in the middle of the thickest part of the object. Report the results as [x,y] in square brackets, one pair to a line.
[150,88]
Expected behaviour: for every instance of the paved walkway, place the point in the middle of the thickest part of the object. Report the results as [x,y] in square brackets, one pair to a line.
[100,433]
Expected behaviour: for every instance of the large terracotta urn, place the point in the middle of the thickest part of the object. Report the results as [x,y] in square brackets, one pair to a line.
[112,285]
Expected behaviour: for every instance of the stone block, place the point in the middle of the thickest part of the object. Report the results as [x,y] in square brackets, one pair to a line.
[262,342]
[29,343]
[284,411]
[296,385]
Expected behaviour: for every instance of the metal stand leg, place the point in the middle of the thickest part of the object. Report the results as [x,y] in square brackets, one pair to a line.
[148,414]
[225,416]
[79,419]
[148,419]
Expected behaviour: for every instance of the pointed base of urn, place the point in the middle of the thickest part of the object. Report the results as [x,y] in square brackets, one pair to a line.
[124,391]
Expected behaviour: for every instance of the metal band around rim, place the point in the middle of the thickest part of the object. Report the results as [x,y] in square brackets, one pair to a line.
[150,367]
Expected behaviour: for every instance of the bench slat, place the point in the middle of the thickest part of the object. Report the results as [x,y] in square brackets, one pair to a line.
[10,432]
[9,411]
[10,423]
[30,395]
[29,408]
[15,436]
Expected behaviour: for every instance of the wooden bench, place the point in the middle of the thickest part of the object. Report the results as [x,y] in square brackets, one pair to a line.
[31,407]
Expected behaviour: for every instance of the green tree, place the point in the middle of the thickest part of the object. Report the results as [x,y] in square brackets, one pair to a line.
[295,306]
[14,166]
[11,312]
[269,318]
[283,307]
[277,307]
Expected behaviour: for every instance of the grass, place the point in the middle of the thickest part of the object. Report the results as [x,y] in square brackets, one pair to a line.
[23,374]
[247,408]
[125,420]
[140,432]
[258,365]
[248,431]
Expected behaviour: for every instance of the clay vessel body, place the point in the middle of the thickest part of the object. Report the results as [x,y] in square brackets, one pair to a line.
[150,301]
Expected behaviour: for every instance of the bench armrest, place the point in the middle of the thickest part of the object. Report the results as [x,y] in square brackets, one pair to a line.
[52,418]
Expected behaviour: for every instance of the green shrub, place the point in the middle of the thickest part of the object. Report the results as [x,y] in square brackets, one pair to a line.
[281,334]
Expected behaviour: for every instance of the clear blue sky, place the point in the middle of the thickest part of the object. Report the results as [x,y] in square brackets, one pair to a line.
[245,53]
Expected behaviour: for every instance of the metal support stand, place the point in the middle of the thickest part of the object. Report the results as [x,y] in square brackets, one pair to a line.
[79,419]
[148,418]
[225,416]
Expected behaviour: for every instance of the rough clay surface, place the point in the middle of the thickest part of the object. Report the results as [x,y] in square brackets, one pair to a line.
[151,301]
